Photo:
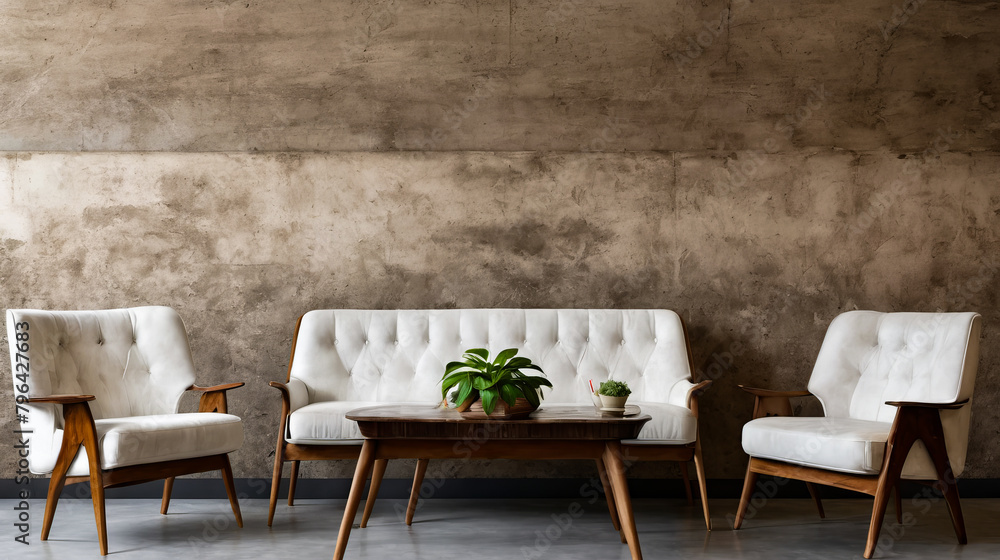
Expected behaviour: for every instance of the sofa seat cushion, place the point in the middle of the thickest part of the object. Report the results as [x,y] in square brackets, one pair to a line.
[669,424]
[139,440]
[840,444]
[325,423]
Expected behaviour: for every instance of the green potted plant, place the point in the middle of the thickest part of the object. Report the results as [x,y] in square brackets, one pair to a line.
[614,394]
[498,388]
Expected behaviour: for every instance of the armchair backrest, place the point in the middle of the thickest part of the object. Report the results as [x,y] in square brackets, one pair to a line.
[400,355]
[135,361]
[868,358]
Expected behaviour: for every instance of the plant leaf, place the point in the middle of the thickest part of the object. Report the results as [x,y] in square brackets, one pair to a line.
[510,392]
[465,390]
[502,357]
[482,383]
[452,366]
[489,397]
[480,353]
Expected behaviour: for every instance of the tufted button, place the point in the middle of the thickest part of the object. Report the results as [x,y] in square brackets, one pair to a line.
[396,342]
[366,341]
[100,342]
[655,341]
[588,339]
[336,341]
[623,342]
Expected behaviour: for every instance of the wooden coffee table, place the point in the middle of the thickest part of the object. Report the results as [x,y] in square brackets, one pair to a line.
[552,432]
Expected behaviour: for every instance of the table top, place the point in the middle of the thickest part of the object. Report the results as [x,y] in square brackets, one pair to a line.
[548,422]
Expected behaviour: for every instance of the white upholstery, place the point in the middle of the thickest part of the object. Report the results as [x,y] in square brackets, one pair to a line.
[137,440]
[345,359]
[868,358]
[137,363]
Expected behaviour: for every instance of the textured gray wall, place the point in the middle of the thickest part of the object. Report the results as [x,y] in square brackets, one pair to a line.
[246,162]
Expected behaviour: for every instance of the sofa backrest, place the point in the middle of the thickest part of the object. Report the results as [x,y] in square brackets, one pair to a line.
[868,358]
[400,355]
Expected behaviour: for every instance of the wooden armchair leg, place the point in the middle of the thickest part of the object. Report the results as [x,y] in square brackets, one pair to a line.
[699,469]
[609,494]
[687,482]
[57,482]
[168,487]
[377,472]
[814,492]
[418,481]
[275,484]
[292,479]
[227,477]
[899,504]
[748,485]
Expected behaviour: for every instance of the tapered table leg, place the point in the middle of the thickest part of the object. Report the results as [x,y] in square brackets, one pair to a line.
[365,462]
[616,474]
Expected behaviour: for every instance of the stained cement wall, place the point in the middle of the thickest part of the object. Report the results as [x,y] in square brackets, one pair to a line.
[758,167]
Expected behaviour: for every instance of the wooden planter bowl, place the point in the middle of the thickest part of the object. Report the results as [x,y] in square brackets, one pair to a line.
[522,409]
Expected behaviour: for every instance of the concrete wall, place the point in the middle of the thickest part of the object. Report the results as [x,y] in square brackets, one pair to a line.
[757,166]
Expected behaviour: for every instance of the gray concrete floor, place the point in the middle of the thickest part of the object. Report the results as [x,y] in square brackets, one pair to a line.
[495,529]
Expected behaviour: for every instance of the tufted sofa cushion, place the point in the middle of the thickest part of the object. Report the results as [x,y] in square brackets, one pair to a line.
[344,359]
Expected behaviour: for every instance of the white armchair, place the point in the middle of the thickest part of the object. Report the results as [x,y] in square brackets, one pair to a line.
[896,391]
[110,382]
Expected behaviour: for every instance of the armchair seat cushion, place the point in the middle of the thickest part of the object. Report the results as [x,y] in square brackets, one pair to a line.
[839,444]
[138,440]
[670,425]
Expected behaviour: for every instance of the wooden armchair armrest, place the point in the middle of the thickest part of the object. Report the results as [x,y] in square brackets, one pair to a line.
[213,399]
[771,393]
[61,399]
[772,403]
[694,392]
[223,387]
[939,406]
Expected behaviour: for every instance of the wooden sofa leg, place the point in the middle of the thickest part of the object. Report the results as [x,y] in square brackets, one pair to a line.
[377,472]
[687,482]
[168,487]
[609,494]
[418,481]
[699,468]
[227,477]
[748,485]
[292,479]
[814,492]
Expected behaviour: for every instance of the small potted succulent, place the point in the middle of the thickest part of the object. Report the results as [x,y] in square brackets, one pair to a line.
[480,387]
[614,394]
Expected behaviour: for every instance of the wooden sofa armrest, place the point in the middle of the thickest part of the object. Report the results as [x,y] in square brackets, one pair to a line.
[61,399]
[213,399]
[772,403]
[939,406]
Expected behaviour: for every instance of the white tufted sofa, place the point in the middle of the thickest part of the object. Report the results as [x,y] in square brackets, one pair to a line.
[886,381]
[346,359]
[108,383]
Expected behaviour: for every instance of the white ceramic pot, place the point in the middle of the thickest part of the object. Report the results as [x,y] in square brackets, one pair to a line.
[613,402]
